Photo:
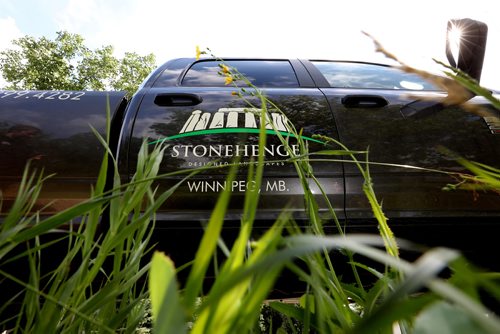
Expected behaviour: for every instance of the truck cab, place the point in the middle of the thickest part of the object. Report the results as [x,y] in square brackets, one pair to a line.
[187,105]
[377,112]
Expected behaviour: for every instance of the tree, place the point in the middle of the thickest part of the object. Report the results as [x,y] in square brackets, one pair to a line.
[67,64]
[132,66]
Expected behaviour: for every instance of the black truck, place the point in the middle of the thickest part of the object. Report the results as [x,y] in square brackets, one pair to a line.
[187,105]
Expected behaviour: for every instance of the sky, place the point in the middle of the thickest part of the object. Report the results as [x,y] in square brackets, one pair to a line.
[316,29]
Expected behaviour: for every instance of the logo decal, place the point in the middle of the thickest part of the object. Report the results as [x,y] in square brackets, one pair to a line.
[232,120]
[226,121]
[493,124]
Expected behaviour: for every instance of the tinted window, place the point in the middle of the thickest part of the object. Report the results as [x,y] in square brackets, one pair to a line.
[172,72]
[269,73]
[364,75]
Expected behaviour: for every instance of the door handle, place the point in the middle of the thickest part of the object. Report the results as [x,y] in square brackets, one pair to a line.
[177,99]
[364,101]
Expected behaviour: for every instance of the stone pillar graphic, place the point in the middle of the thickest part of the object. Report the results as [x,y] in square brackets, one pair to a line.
[228,118]
[268,121]
[280,121]
[191,122]
[250,120]
[203,122]
[217,120]
[232,119]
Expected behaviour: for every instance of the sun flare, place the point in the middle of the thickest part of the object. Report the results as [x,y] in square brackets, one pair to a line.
[454,38]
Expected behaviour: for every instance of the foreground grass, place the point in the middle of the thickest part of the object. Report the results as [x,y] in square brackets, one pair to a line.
[97,283]
[95,297]
[100,283]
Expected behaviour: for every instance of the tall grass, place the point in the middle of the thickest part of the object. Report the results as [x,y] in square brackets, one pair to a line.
[97,252]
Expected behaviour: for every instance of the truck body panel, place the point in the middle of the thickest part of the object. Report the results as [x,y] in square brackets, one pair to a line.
[53,130]
[186,105]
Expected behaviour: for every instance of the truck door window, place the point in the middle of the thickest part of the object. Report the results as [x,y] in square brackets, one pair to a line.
[261,73]
[370,76]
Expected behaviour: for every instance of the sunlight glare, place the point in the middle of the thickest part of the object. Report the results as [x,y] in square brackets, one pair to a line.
[454,38]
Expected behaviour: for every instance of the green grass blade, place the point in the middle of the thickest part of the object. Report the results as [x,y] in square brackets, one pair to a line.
[59,219]
[207,246]
[168,313]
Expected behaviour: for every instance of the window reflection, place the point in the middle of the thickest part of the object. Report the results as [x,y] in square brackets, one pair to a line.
[272,73]
[366,75]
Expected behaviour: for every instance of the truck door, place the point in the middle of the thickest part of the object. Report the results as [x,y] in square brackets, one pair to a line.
[189,107]
[367,101]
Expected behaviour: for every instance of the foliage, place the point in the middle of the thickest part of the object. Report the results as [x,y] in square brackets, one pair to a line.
[97,284]
[470,84]
[65,63]
[132,70]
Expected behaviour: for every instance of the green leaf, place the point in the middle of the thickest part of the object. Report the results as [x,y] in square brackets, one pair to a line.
[59,219]
[208,245]
[289,310]
[307,300]
[168,316]
[444,318]
[337,152]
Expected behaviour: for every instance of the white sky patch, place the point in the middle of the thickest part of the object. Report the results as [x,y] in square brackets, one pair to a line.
[76,15]
[10,31]
[315,29]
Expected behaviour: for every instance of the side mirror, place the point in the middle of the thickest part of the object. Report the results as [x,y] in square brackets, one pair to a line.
[465,49]
[466,45]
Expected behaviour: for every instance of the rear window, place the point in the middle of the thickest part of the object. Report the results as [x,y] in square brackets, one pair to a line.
[261,73]
[365,75]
